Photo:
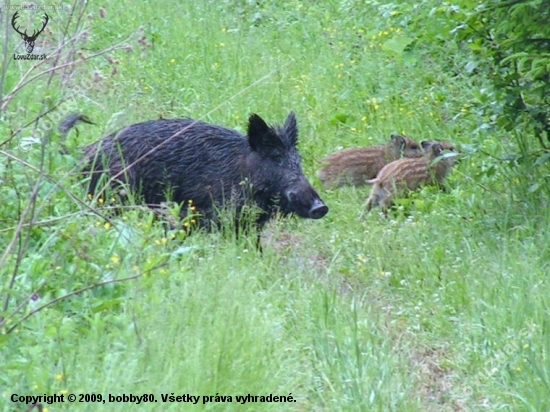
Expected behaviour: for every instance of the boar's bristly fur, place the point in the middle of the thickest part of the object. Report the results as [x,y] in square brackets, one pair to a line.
[214,167]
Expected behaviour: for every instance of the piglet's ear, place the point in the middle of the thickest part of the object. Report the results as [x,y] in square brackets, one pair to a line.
[426,144]
[437,149]
[398,141]
[261,137]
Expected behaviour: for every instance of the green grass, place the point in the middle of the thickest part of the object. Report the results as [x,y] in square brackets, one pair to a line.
[442,307]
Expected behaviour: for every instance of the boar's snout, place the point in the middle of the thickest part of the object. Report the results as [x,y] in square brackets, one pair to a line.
[318,209]
[305,203]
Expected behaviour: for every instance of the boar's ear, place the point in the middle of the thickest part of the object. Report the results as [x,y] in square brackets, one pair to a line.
[261,137]
[290,130]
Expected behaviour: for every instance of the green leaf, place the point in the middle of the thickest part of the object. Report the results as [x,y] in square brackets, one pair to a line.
[534,188]
[340,118]
[515,56]
[112,303]
[397,44]
[542,159]
[471,66]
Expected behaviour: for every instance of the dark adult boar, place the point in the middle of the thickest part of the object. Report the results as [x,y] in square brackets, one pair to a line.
[183,159]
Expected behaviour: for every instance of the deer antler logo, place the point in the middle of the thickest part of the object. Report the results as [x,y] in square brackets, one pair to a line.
[29,40]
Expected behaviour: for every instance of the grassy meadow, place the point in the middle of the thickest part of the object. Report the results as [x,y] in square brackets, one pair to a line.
[441,307]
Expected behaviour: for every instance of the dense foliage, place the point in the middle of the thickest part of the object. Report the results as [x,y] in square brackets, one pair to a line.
[506,49]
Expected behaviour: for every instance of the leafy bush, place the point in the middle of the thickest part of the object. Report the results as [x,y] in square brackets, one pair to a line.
[511,45]
[502,48]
